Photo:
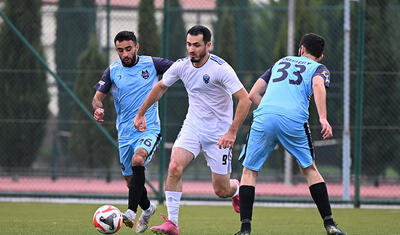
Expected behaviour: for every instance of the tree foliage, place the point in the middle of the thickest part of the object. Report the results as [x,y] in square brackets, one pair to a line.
[227,37]
[89,148]
[176,31]
[24,106]
[75,23]
[379,149]
[149,37]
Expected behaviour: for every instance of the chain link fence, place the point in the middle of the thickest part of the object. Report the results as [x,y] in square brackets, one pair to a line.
[49,146]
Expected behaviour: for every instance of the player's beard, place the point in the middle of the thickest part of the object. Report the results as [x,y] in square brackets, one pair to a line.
[201,56]
[132,60]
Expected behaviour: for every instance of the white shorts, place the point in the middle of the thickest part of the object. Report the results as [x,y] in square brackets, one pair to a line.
[219,160]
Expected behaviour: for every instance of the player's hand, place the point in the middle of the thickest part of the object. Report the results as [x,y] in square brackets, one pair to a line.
[227,140]
[326,129]
[140,123]
[98,115]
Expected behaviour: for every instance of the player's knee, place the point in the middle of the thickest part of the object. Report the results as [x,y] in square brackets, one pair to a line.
[138,160]
[221,192]
[175,169]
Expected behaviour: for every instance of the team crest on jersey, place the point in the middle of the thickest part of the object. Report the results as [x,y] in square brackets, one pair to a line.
[145,74]
[206,78]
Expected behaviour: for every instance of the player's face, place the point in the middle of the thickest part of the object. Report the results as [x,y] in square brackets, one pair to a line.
[127,52]
[196,47]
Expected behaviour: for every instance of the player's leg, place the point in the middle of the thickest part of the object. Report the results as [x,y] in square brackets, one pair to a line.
[319,193]
[125,157]
[144,150]
[180,159]
[296,139]
[219,161]
[143,222]
[224,186]
[135,186]
[261,142]
[246,199]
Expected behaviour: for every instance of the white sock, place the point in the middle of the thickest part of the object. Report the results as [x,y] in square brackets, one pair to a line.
[237,190]
[173,201]
[149,210]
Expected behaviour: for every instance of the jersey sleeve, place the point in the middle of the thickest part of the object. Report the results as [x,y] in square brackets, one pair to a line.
[172,74]
[161,64]
[266,75]
[229,79]
[104,84]
[324,73]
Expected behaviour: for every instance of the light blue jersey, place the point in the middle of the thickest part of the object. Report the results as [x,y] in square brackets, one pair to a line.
[290,87]
[130,86]
[281,116]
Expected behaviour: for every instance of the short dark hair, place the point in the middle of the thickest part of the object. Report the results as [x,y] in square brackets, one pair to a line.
[125,36]
[200,29]
[313,43]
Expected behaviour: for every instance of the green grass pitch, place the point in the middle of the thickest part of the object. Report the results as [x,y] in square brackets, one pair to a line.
[53,218]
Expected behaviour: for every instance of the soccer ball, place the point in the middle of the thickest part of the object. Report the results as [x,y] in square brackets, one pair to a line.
[107,219]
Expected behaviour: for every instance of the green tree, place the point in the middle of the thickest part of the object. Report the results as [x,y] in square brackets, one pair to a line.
[380,98]
[149,37]
[177,93]
[234,28]
[227,37]
[75,23]
[24,106]
[176,31]
[305,22]
[88,147]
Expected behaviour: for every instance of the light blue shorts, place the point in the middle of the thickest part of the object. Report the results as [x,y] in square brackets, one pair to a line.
[148,140]
[268,130]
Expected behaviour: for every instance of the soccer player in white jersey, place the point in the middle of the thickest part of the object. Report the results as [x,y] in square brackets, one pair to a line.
[282,97]
[210,83]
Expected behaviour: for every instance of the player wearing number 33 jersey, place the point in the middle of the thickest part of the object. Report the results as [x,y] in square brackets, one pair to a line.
[288,93]
[290,87]
[282,95]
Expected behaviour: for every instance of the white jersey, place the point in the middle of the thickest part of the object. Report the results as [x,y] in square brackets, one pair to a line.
[210,88]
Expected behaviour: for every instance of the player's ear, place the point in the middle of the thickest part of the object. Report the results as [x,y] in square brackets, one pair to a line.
[320,58]
[137,46]
[302,50]
[208,45]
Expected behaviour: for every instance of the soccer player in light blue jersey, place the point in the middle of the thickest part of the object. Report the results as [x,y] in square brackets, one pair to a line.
[282,97]
[130,79]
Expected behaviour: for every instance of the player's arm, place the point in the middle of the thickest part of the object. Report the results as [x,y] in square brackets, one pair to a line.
[258,91]
[260,87]
[102,88]
[320,101]
[242,110]
[161,64]
[97,104]
[155,94]
[169,78]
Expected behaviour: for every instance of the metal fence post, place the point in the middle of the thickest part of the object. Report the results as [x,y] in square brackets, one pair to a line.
[359,103]
[163,108]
